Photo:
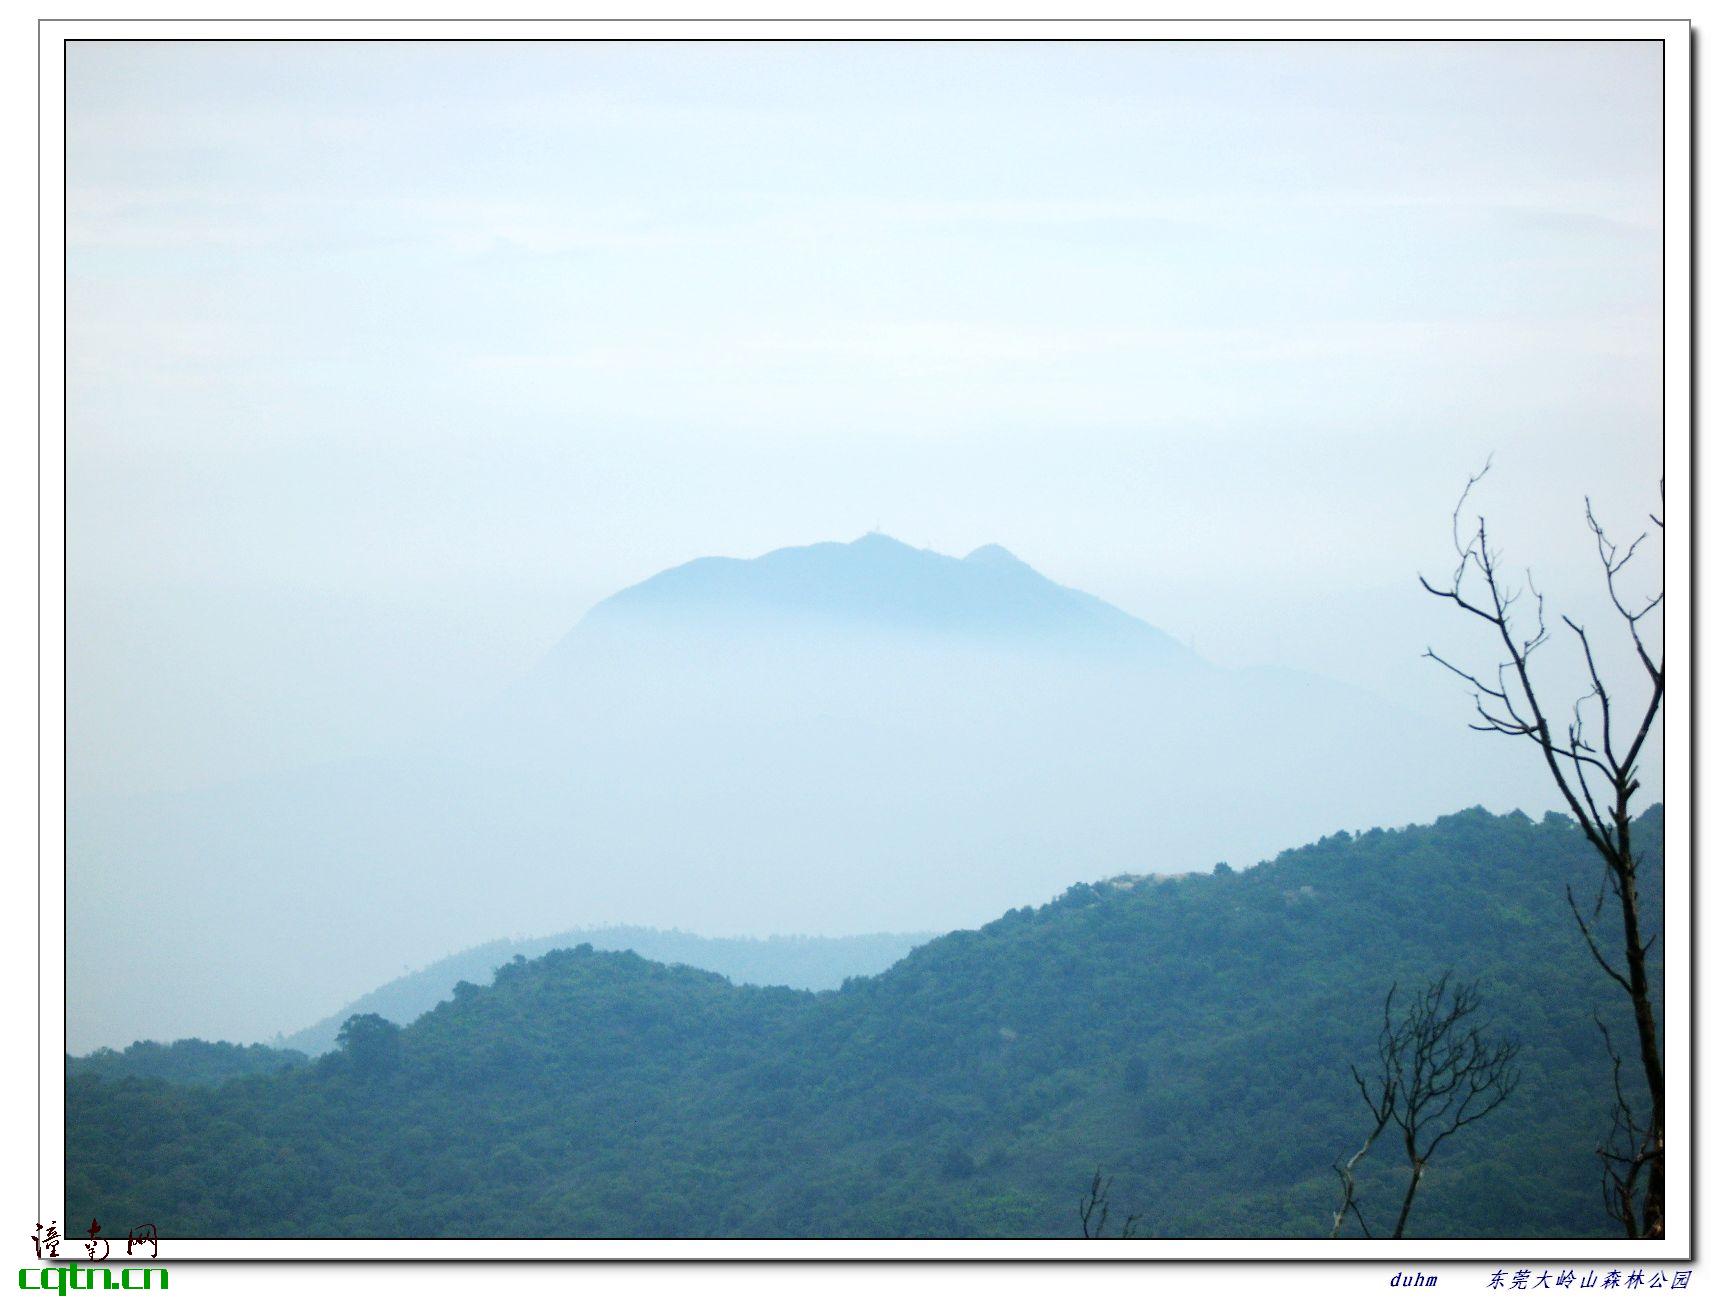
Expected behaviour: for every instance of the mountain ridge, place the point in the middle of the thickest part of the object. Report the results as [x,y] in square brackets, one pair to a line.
[1192,1036]
[810,962]
[876,582]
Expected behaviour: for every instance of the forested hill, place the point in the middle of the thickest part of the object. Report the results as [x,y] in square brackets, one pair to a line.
[186,1060]
[1191,1036]
[798,961]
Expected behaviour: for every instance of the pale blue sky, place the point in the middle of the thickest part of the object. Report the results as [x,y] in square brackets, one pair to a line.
[386,361]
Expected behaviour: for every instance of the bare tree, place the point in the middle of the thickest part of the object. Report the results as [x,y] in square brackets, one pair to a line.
[1598,778]
[1380,1100]
[1095,1210]
[1626,1153]
[1435,1074]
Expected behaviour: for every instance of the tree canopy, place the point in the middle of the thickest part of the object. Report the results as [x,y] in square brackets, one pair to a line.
[1189,1034]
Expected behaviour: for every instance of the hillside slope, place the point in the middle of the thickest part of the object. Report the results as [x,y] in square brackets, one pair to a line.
[797,961]
[1190,1035]
[187,1060]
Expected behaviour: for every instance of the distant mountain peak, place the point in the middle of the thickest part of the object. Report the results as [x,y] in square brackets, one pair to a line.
[877,583]
[999,556]
[880,540]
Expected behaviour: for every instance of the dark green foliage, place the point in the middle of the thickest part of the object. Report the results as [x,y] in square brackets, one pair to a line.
[798,961]
[1135,1075]
[971,1089]
[188,1060]
[371,1046]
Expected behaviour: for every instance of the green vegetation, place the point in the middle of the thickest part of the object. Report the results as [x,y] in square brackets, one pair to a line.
[187,1060]
[1190,1035]
[798,961]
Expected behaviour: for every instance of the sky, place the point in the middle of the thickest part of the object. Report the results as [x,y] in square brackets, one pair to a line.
[386,361]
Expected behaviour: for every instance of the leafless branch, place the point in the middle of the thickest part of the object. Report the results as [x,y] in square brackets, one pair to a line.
[1435,1075]
[1094,1209]
[1597,779]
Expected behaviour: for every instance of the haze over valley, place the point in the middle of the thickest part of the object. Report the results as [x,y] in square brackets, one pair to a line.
[834,739]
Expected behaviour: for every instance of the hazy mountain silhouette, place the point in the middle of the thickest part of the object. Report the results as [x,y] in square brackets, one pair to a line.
[876,585]
[829,739]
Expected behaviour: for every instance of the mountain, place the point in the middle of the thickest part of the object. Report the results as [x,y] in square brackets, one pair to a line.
[1190,1036]
[793,961]
[829,739]
[874,585]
